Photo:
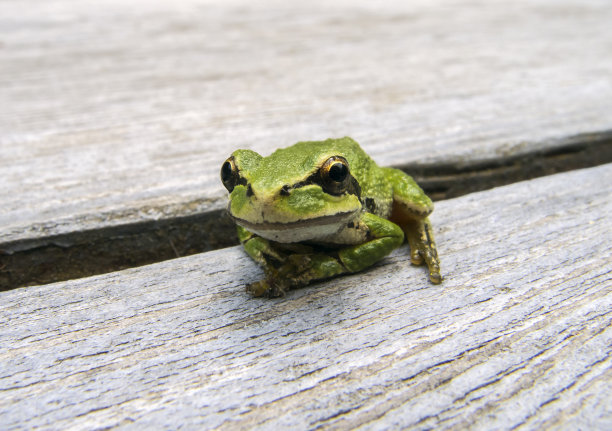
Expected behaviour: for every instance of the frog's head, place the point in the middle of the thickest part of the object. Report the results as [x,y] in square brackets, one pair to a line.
[300,193]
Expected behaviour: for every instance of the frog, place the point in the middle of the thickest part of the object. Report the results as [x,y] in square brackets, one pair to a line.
[319,209]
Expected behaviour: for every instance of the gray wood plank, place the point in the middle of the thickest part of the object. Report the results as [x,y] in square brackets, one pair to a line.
[123,112]
[518,335]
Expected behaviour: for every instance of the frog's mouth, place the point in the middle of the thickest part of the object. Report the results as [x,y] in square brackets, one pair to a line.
[300,230]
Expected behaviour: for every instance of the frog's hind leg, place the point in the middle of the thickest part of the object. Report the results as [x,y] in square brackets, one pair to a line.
[289,266]
[286,266]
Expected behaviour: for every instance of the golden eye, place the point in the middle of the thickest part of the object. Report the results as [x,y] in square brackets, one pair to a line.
[229,174]
[335,175]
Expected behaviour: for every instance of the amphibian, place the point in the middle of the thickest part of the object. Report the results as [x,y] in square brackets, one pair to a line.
[323,208]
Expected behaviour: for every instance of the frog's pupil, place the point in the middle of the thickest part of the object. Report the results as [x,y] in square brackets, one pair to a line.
[338,172]
[226,171]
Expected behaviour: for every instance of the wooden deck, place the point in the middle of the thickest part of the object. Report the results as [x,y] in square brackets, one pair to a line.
[115,120]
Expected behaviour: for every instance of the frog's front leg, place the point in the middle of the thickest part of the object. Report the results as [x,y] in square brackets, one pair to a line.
[293,265]
[423,246]
[383,237]
[411,206]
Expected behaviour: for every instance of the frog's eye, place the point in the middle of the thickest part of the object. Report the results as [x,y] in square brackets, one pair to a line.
[335,174]
[229,174]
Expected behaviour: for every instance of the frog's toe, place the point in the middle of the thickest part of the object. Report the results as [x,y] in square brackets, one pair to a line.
[276,291]
[435,277]
[259,288]
[416,258]
[266,287]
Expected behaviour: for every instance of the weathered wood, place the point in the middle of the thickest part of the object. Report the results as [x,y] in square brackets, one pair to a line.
[122,113]
[518,335]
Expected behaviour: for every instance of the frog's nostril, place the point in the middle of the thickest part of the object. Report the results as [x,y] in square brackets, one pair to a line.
[249,191]
[284,191]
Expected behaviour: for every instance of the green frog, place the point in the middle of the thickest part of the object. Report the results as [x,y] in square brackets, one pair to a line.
[319,209]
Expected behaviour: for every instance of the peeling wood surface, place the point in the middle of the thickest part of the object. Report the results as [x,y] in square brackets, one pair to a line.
[123,112]
[518,335]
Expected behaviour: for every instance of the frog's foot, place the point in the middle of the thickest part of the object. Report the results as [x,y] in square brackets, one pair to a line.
[298,270]
[265,288]
[259,288]
[423,248]
[279,279]
[419,257]
[433,264]
[429,253]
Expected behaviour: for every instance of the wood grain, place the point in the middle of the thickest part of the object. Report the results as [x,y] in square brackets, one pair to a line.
[519,334]
[123,112]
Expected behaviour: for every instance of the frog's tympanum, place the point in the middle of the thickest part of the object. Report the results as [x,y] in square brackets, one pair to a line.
[319,209]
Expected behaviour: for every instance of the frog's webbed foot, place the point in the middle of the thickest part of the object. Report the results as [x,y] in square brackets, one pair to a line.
[296,270]
[266,288]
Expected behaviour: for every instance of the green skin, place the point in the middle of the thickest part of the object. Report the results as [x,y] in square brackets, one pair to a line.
[303,223]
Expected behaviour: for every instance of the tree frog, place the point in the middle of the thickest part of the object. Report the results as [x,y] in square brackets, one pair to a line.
[323,208]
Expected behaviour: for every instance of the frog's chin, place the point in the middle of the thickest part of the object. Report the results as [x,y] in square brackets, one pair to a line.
[317,228]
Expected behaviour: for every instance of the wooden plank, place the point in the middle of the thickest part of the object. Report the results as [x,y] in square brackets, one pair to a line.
[122,113]
[518,335]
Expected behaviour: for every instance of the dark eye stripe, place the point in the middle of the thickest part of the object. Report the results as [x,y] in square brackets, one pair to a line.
[338,172]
